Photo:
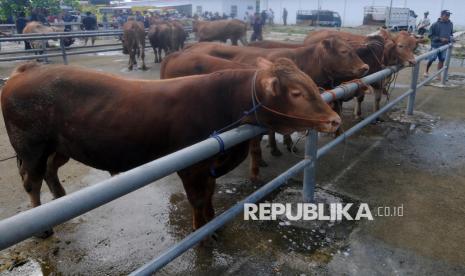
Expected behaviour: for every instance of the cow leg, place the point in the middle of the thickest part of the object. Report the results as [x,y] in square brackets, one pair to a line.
[289,144]
[199,187]
[243,40]
[159,55]
[378,94]
[155,53]
[273,145]
[142,57]
[54,162]
[32,170]
[234,41]
[132,57]
[358,107]
[256,159]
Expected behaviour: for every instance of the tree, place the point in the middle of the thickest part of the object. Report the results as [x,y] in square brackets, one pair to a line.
[12,7]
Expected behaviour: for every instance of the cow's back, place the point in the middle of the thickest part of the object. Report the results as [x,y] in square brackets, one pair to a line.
[221,30]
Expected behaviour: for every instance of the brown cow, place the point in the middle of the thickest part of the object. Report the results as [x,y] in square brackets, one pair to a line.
[396,50]
[329,60]
[221,30]
[179,35]
[35,27]
[270,44]
[336,60]
[161,39]
[74,116]
[181,64]
[134,42]
[331,56]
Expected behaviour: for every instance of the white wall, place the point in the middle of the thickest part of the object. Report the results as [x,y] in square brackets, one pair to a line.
[354,8]
[221,6]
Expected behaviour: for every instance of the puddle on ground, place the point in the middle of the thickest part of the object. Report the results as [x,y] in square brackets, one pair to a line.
[419,120]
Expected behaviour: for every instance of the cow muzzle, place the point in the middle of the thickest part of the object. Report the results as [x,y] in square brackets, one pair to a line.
[362,71]
[333,123]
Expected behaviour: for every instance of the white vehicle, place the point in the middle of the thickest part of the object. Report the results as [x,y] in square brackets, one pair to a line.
[393,18]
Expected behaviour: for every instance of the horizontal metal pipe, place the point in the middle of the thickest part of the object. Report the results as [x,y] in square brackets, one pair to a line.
[324,149]
[347,89]
[430,78]
[55,37]
[432,52]
[63,33]
[52,49]
[206,230]
[25,224]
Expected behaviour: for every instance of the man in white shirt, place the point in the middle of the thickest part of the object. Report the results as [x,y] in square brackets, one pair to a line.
[423,25]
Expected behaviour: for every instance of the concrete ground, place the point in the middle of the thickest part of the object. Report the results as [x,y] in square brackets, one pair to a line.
[416,162]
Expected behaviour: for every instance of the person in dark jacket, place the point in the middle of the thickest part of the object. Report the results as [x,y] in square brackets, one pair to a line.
[440,34]
[90,24]
[285,17]
[257,27]
[21,22]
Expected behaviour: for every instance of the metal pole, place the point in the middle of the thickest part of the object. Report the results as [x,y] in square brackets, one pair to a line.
[63,52]
[413,86]
[445,74]
[390,11]
[311,148]
[44,50]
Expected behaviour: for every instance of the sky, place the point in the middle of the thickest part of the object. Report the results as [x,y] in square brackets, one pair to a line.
[354,8]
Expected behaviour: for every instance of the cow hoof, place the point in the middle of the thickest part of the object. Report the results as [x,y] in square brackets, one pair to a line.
[45,234]
[276,152]
[292,149]
[144,67]
[262,163]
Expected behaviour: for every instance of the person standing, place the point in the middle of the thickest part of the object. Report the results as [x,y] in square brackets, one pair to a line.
[423,24]
[257,27]
[21,22]
[90,24]
[264,16]
[440,34]
[271,17]
[285,16]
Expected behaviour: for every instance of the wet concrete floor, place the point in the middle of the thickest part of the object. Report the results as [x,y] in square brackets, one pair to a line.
[416,162]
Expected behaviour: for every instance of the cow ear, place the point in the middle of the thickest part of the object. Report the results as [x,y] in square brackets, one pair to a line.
[264,64]
[270,86]
[328,43]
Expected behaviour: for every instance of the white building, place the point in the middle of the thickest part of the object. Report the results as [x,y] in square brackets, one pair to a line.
[236,7]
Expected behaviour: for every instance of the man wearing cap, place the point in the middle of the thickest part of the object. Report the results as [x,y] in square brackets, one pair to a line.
[423,24]
[440,34]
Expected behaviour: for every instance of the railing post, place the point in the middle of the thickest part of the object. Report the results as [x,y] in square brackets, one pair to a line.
[311,148]
[44,50]
[445,74]
[63,51]
[413,86]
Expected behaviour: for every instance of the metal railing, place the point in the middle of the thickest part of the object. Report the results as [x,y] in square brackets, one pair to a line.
[25,224]
[43,52]
[64,51]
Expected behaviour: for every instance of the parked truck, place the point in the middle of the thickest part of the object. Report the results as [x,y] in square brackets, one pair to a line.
[393,18]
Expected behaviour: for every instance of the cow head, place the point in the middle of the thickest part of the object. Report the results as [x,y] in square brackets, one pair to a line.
[399,50]
[283,89]
[339,60]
